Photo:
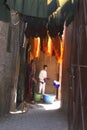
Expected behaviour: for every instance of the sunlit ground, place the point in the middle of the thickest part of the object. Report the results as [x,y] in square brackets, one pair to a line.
[54,106]
[17,112]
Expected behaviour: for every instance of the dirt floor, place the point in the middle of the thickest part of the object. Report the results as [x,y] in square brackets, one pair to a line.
[39,116]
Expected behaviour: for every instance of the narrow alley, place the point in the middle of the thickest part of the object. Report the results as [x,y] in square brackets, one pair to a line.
[43,64]
[38,117]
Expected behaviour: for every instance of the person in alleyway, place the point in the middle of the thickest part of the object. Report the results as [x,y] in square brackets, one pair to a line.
[42,79]
[31,81]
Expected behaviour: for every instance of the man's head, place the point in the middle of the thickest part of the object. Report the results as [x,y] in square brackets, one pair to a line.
[45,67]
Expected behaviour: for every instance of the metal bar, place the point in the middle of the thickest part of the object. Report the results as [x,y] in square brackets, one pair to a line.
[76,104]
[84,97]
[76,65]
[85,14]
[70,120]
[74,114]
[81,98]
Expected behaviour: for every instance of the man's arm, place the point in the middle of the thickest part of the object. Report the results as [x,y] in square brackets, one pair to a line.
[41,76]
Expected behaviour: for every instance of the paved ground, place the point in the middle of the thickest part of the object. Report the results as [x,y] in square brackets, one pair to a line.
[38,117]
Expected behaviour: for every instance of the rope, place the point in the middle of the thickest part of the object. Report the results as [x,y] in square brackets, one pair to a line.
[75,65]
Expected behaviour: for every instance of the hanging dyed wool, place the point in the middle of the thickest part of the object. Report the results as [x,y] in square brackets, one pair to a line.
[62,49]
[56,47]
[30,57]
[31,48]
[44,42]
[49,47]
[46,46]
[52,6]
[35,47]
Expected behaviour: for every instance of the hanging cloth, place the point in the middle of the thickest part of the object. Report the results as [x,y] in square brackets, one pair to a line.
[36,8]
[46,45]
[65,13]
[44,42]
[36,27]
[35,47]
[61,51]
[52,6]
[49,47]
[56,47]
[4,12]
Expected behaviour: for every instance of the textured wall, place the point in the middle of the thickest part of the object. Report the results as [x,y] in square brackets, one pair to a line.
[9,65]
[5,70]
[74,96]
[66,66]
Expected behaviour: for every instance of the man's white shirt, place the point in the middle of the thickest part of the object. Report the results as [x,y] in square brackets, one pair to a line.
[42,75]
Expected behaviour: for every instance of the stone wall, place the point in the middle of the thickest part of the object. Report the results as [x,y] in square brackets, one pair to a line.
[74,92]
[9,64]
[66,66]
[5,70]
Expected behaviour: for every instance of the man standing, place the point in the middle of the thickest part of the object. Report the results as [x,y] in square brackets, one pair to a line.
[42,79]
